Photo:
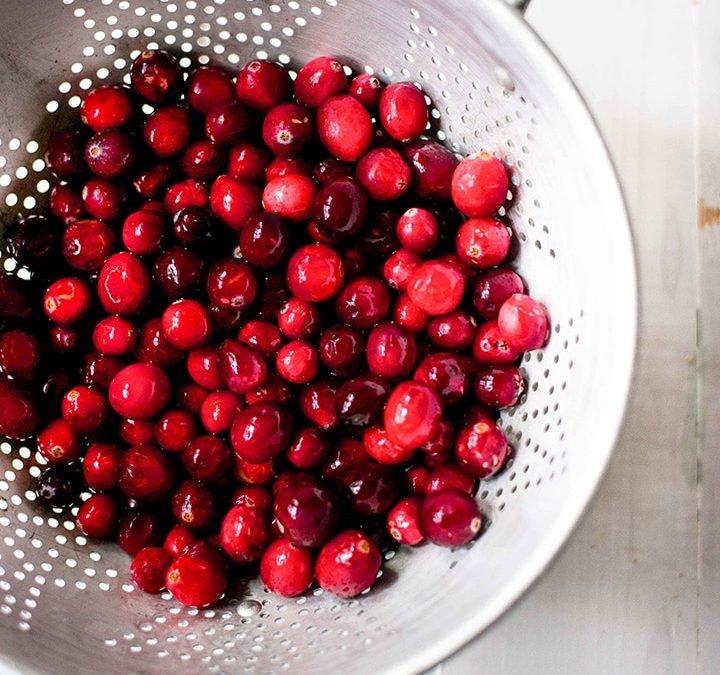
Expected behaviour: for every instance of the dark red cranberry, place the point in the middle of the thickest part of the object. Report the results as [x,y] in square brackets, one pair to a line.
[59,486]
[391,351]
[65,154]
[209,86]
[110,153]
[261,335]
[297,361]
[498,386]
[115,336]
[288,129]
[202,160]
[87,244]
[189,192]
[492,289]
[167,131]
[450,518]
[64,339]
[154,348]
[286,568]
[177,271]
[19,354]
[136,431]
[308,449]
[383,450]
[99,370]
[66,203]
[139,391]
[262,85]
[264,240]
[437,287]
[193,505]
[286,166]
[97,516]
[340,208]
[233,200]
[15,300]
[219,410]
[101,466]
[408,315]
[315,273]
[146,474]
[244,533]
[123,284]
[191,397]
[399,267]
[454,331]
[318,80]
[403,111]
[317,403]
[195,582]
[348,564]
[403,522]
[366,89]
[272,297]
[247,162]
[178,541]
[432,166]
[449,477]
[307,512]
[137,530]
[103,199]
[378,237]
[416,479]
[29,240]
[149,568]
[348,454]
[156,76]
[443,441]
[67,300]
[142,232]
[330,169]
[174,430]
[481,449]
[491,347]
[341,349]
[523,323]
[242,368]
[291,197]
[106,107]
[192,223]
[383,174]
[207,458]
[84,409]
[344,127]
[483,242]
[227,123]
[261,432]
[363,302]
[151,182]
[412,414]
[479,185]
[360,400]
[446,374]
[231,284]
[18,413]
[186,324]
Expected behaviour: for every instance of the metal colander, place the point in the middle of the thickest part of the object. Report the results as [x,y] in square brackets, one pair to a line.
[67,604]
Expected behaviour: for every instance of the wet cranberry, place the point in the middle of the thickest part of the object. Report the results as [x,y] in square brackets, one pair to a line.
[227,123]
[84,409]
[244,533]
[291,197]
[97,516]
[151,182]
[139,391]
[412,414]
[481,449]
[344,127]
[99,370]
[315,273]
[523,323]
[139,529]
[348,564]
[195,582]
[156,76]
[307,512]
[106,107]
[167,131]
[203,366]
[492,289]
[341,349]
[149,568]
[193,505]
[59,486]
[103,199]
[445,373]
[192,223]
[87,244]
[153,346]
[65,154]
[432,166]
[383,450]
[191,397]
[115,336]
[363,302]
[399,267]
[498,386]
[136,431]
[450,518]
[491,347]
[67,300]
[262,85]
[366,89]
[285,166]
[19,354]
[436,287]
[66,203]
[186,324]
[317,403]
[123,284]
[178,541]
[188,192]
[287,129]
[29,240]
[64,339]
[297,361]
[403,111]
[287,569]
[330,169]
[379,238]
[318,80]
[218,411]
[101,466]
[142,232]
[177,271]
[202,160]
[110,153]
[479,185]
[416,479]
[359,401]
[261,335]
[391,351]
[454,331]
[347,454]
[261,432]
[254,474]
[408,315]
[242,368]
[174,430]
[449,477]
[233,200]
[18,413]
[383,174]
[417,230]
[444,440]
[483,242]
[340,208]
[298,319]
[308,449]
[403,522]
[231,284]
[146,474]
[209,86]
[206,458]
[264,240]
[247,162]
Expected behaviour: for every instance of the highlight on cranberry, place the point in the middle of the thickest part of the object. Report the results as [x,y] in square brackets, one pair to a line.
[264,320]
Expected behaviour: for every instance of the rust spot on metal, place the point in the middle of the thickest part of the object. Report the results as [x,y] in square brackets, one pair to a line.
[708,216]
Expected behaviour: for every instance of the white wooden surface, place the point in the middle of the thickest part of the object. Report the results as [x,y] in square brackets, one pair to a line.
[629,593]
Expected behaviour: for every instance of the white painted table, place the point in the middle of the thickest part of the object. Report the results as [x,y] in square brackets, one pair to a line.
[637,588]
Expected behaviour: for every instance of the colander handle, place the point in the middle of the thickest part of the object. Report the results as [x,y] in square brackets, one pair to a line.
[520,5]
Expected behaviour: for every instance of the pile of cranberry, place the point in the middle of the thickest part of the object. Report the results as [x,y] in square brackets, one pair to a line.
[264,321]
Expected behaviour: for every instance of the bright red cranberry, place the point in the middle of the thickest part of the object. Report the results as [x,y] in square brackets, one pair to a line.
[19,354]
[498,386]
[315,273]
[209,86]
[67,300]
[188,192]
[383,174]
[66,203]
[436,287]
[286,166]
[64,339]
[340,208]
[449,477]
[391,351]
[177,271]
[348,564]
[84,409]
[18,413]
[174,430]
[416,479]
[149,568]
[383,450]
[523,323]
[399,267]
[450,518]
[97,516]
[186,324]
[156,76]
[167,131]
[142,232]
[418,230]
[297,361]
[110,153]
[231,284]
[287,129]
[219,410]
[342,349]
[151,182]
[202,160]
[479,185]
[359,401]
[178,541]
[123,284]
[195,582]
[138,530]
[286,568]
[203,366]
[227,123]
[483,242]
[146,474]
[193,505]
[298,319]
[344,127]
[317,403]
[191,397]
[481,449]
[363,302]
[139,391]
[207,458]
[408,315]
[261,335]
[318,80]
[412,414]
[136,431]
[106,107]
[115,336]
[446,374]
[491,347]
[366,89]
[244,533]
[378,237]
[262,85]
[65,154]
[242,368]
[101,466]
[308,449]
[87,244]
[233,200]
[261,432]
[403,111]
[247,162]
[453,331]
[403,522]
[291,197]
[99,370]
[492,289]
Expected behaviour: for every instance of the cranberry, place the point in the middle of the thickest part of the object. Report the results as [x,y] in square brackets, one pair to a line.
[151,182]
[491,347]
[186,324]
[366,89]
[15,302]
[287,130]
[177,271]
[349,453]
[18,413]
[315,273]
[523,323]
[417,230]
[454,331]
[379,238]
[231,284]
[219,410]
[242,368]
[261,432]
[97,516]
[318,80]
[178,541]
[307,512]
[203,366]
[247,162]
[391,351]
[383,174]
[344,127]
[87,244]
[66,203]
[264,240]
[403,111]
[348,564]
[65,154]
[142,232]
[202,160]
[137,530]
[341,349]
[291,196]
[195,582]
[110,153]
[174,430]
[100,370]
[330,169]
[29,240]
[298,319]
[446,374]
[106,107]
[244,533]
[479,185]
[398,268]
[412,414]
[206,458]
[436,287]
[139,391]
[483,242]
[101,466]
[209,86]
[115,336]
[67,300]
[103,199]
[443,441]
[233,200]
[227,123]
[340,208]
[64,339]
[154,348]
[192,223]
[286,568]
[156,76]
[261,335]
[19,354]
[308,449]
[167,131]
[262,85]
[359,401]
[146,474]
[59,486]
[403,522]
[317,403]
[84,409]
[149,568]
[492,289]
[136,431]
[449,477]
[408,315]
[123,284]
[363,302]
[416,479]
[450,518]
[498,386]
[188,192]
[297,361]
[481,449]
[383,450]
[191,397]
[286,166]
[193,506]
[254,474]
